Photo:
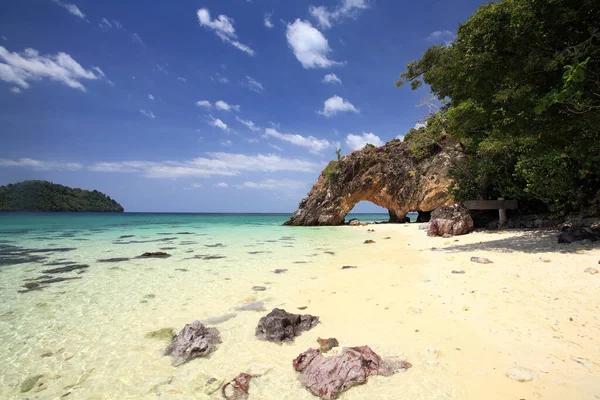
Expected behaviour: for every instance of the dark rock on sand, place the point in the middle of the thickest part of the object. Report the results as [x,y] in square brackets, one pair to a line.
[369,241]
[280,326]
[238,388]
[327,344]
[195,340]
[481,260]
[113,260]
[66,269]
[326,377]
[458,272]
[578,234]
[349,267]
[259,288]
[158,254]
[450,220]
[126,236]
[280,271]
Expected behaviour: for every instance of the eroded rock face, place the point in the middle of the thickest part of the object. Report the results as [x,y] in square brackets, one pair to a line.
[281,326]
[326,377]
[195,340]
[450,220]
[389,176]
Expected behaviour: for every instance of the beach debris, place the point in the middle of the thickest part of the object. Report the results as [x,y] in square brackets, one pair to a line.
[326,377]
[280,326]
[259,288]
[354,222]
[162,334]
[29,383]
[450,220]
[386,238]
[578,234]
[215,245]
[521,374]
[458,272]
[157,254]
[195,340]
[218,320]
[253,306]
[327,344]
[280,271]
[481,260]
[583,361]
[238,388]
[369,241]
[349,267]
[370,230]
[68,268]
[113,260]
[591,271]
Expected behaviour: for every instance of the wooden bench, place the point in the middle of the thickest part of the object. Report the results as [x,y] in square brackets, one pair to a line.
[501,205]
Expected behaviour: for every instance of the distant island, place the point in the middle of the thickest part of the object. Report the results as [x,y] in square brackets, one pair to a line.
[50,197]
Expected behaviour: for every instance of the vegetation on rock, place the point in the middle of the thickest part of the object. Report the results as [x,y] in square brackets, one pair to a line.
[47,196]
[520,90]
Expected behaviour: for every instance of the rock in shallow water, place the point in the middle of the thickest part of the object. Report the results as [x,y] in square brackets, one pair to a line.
[157,254]
[195,340]
[29,383]
[326,377]
[280,326]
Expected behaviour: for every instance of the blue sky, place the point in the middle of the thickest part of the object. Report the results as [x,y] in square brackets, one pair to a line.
[206,106]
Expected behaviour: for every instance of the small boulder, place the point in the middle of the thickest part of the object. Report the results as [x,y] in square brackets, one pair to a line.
[450,220]
[349,267]
[195,340]
[238,388]
[578,234]
[354,222]
[281,326]
[327,344]
[521,374]
[369,241]
[481,260]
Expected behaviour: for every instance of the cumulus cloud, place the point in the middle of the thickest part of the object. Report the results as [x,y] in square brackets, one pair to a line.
[446,37]
[313,144]
[249,124]
[221,185]
[148,114]
[223,28]
[22,68]
[221,105]
[309,45]
[268,22]
[31,163]
[217,123]
[356,142]
[332,79]
[254,85]
[71,8]
[335,105]
[347,9]
[203,103]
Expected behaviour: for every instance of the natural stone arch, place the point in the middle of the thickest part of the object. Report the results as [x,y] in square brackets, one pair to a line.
[388,176]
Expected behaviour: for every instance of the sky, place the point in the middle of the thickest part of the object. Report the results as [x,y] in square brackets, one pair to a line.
[207,106]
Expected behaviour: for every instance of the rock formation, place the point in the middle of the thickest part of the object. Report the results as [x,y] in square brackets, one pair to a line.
[280,325]
[389,176]
[194,340]
[450,221]
[326,377]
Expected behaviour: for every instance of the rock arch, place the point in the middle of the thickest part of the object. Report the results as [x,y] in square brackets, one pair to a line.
[388,176]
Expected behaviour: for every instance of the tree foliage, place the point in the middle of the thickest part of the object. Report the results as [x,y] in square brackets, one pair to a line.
[47,196]
[521,91]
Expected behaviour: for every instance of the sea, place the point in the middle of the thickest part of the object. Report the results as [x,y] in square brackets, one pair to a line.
[77,302]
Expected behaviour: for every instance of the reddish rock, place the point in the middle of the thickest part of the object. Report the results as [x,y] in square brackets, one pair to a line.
[450,220]
[238,388]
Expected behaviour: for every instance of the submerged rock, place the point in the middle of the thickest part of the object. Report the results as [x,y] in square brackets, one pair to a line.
[29,383]
[450,220]
[326,377]
[157,254]
[195,340]
[280,326]
[253,306]
[113,260]
[218,320]
[238,388]
[163,334]
[68,268]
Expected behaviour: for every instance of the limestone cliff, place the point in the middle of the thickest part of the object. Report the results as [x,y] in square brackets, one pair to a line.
[389,176]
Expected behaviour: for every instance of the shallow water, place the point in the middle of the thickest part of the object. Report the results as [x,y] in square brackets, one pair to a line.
[86,334]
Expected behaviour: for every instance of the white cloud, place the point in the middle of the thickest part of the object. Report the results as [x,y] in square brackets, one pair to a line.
[309,45]
[182,79]
[221,185]
[28,66]
[193,186]
[252,140]
[39,165]
[274,184]
[148,114]
[347,9]
[219,78]
[356,142]
[215,164]
[216,122]
[312,143]
[162,69]
[72,8]
[105,24]
[335,105]
[251,125]
[15,89]
[254,85]
[274,146]
[135,38]
[221,105]
[332,79]
[227,143]
[445,37]
[419,125]
[268,22]
[203,103]
[151,97]
[223,28]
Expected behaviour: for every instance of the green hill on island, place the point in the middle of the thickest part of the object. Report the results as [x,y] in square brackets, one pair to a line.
[48,196]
